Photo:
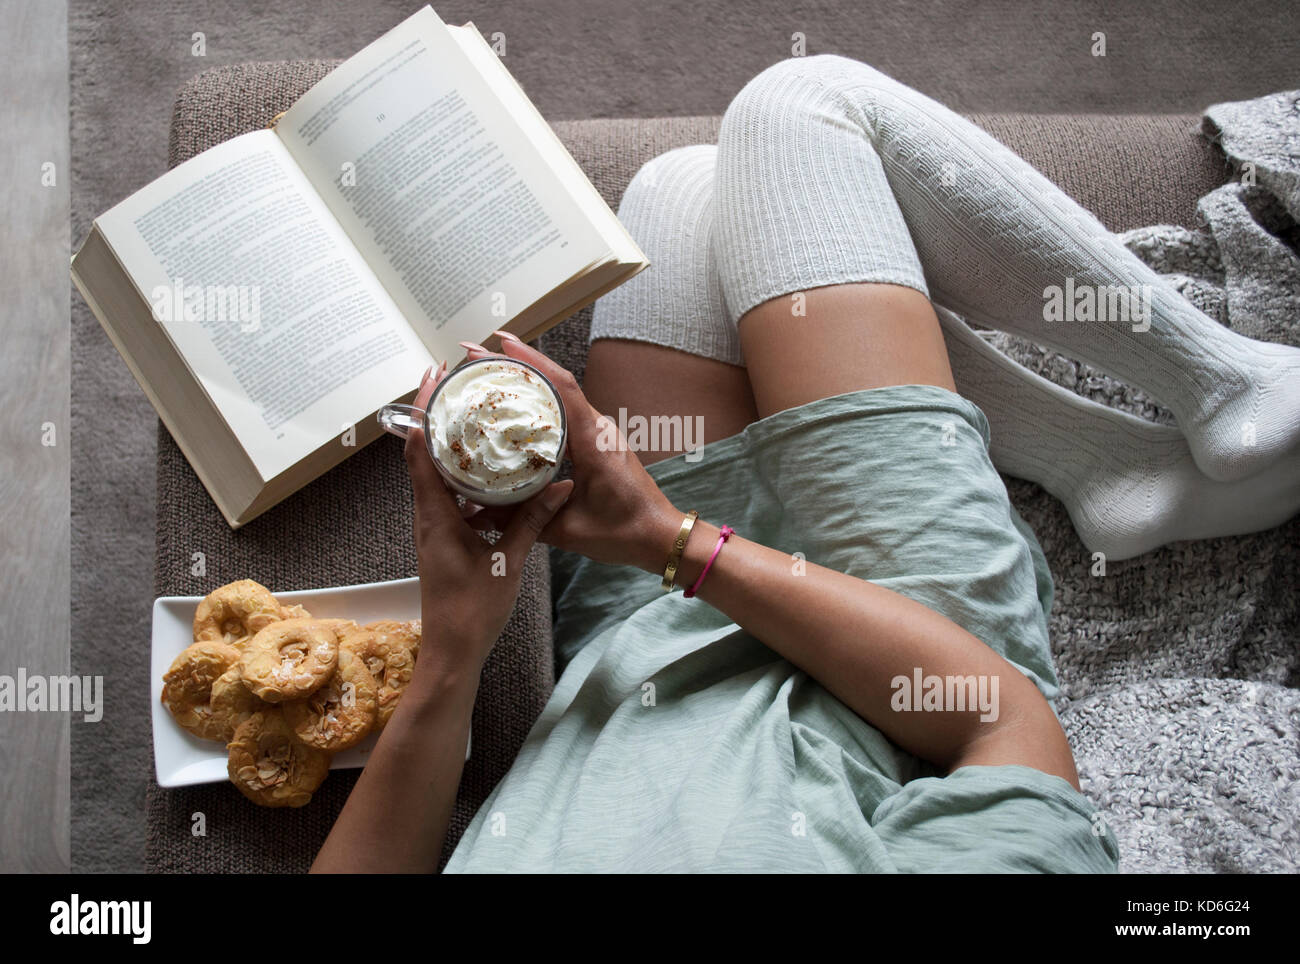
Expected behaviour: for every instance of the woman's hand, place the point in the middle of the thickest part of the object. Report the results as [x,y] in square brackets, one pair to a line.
[616,514]
[466,593]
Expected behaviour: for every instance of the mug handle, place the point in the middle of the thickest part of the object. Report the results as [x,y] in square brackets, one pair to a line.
[400,419]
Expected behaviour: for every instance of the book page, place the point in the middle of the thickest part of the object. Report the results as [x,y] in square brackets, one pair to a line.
[284,325]
[548,144]
[459,214]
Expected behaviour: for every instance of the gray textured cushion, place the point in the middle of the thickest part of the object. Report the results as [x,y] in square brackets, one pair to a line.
[353,525]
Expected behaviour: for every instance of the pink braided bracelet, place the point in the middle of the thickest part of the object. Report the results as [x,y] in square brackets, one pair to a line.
[723,534]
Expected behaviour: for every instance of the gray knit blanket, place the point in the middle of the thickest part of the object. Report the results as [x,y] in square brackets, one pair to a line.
[1179,669]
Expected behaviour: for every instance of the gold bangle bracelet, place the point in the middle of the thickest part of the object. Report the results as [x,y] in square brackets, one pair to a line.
[675,555]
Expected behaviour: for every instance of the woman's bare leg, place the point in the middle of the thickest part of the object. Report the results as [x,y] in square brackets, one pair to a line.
[848,337]
[649,380]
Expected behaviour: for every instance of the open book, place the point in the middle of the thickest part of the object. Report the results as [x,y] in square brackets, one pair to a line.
[273,293]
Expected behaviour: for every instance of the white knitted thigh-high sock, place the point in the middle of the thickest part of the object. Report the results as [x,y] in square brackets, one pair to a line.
[805,151]
[1129,485]
[677,301]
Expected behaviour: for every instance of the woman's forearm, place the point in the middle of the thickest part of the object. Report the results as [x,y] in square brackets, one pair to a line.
[396,817]
[857,639]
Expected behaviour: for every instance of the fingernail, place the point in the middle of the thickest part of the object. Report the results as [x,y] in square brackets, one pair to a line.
[506,336]
[442,369]
[425,377]
[555,496]
[470,346]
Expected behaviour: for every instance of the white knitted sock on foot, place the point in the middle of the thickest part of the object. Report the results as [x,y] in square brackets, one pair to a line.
[1129,485]
[822,159]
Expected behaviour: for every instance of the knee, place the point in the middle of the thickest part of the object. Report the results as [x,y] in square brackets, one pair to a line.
[828,70]
[680,173]
[809,82]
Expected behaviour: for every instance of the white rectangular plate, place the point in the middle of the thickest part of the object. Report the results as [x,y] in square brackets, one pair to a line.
[182,759]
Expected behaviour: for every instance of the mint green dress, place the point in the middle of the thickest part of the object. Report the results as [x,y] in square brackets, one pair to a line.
[676,741]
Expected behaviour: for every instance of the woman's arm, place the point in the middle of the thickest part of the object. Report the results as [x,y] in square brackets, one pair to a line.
[855,638]
[397,814]
[852,636]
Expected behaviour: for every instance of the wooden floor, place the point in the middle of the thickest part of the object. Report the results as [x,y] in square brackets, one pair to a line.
[34,438]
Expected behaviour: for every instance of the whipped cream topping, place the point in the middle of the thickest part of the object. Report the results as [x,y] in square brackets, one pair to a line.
[496,426]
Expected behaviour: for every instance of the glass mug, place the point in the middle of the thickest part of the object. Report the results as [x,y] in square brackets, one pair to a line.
[399,419]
